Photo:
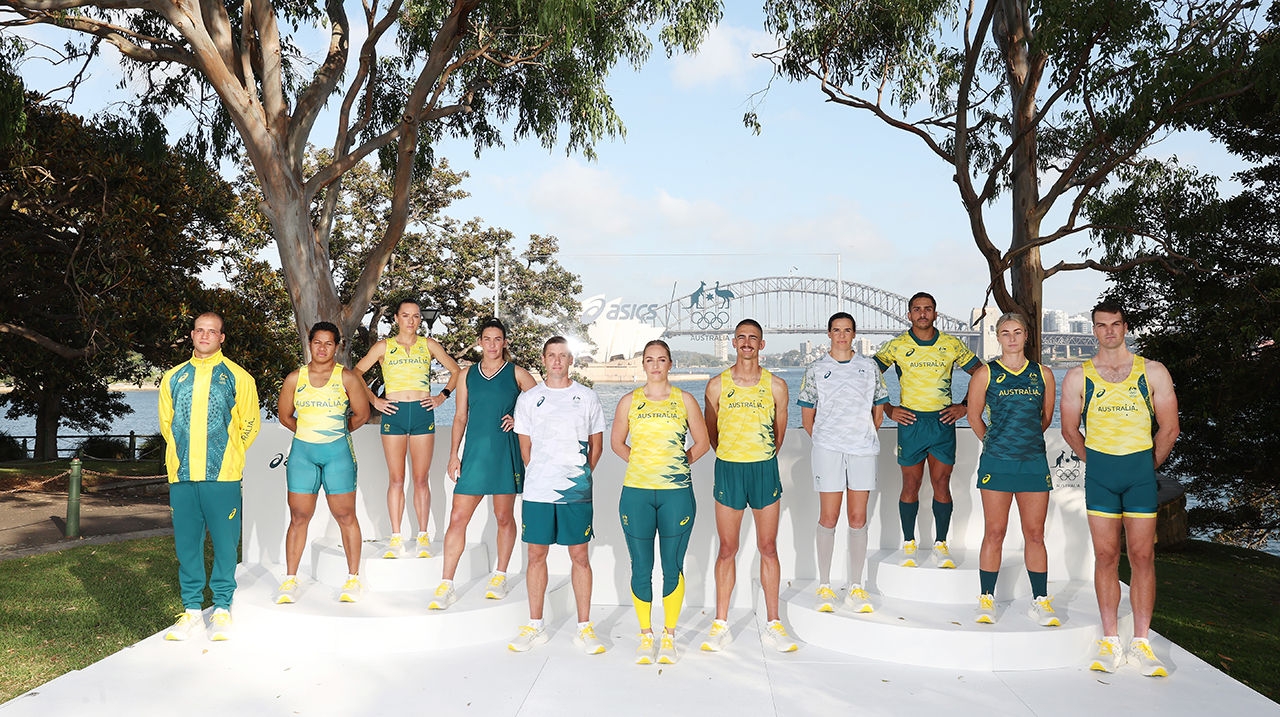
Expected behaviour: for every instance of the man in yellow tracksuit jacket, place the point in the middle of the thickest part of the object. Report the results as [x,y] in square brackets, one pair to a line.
[209,416]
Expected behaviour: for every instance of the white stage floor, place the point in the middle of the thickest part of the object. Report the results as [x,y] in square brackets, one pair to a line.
[248,676]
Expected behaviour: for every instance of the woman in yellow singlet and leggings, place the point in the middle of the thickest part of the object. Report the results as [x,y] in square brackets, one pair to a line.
[408,417]
[657,492]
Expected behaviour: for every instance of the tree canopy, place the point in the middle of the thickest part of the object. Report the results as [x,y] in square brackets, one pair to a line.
[1040,101]
[480,70]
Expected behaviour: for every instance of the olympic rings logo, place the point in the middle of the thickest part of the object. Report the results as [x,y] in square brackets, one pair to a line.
[710,319]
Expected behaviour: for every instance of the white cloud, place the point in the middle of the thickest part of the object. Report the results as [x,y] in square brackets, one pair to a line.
[725,56]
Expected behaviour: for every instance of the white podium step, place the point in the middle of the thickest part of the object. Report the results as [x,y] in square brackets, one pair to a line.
[383,621]
[929,583]
[329,566]
[945,635]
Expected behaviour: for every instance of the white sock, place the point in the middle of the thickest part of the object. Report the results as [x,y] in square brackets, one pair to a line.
[826,539]
[536,623]
[583,625]
[857,553]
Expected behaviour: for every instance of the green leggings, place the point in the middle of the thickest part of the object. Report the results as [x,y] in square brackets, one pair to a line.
[668,514]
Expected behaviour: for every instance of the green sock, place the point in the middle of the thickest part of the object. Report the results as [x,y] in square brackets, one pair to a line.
[908,512]
[1039,584]
[941,519]
[987,579]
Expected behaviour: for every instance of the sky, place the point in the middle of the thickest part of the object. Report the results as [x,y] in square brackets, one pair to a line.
[692,195]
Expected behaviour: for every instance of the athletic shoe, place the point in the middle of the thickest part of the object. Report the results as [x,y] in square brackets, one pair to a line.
[776,635]
[395,547]
[942,554]
[667,653]
[498,587]
[645,652]
[718,637]
[986,609]
[424,546]
[826,599]
[908,554]
[1042,612]
[287,593]
[1109,657]
[528,637]
[445,596]
[587,640]
[188,625]
[858,600]
[352,589]
[1148,663]
[220,625]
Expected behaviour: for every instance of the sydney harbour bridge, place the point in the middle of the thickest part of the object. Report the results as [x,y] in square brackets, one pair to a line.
[801,305]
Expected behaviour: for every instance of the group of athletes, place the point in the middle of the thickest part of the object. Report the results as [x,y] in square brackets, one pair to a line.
[513,436]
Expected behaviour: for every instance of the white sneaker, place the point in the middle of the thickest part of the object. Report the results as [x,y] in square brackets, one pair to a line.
[498,587]
[352,590]
[395,548]
[527,638]
[1042,612]
[444,596]
[424,546]
[1148,663]
[826,599]
[858,600]
[220,625]
[776,635]
[942,554]
[718,637]
[189,624]
[986,609]
[667,651]
[287,593]
[646,652]
[908,554]
[1109,657]
[587,640]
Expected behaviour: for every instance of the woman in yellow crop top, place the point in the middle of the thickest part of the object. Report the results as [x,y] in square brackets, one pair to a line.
[408,417]
[657,492]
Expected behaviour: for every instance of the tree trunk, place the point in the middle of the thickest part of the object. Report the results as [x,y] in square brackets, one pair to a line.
[48,415]
[1023,73]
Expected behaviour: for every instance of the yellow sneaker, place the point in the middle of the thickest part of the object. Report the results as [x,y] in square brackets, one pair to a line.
[858,600]
[717,638]
[1109,657]
[443,598]
[645,652]
[986,610]
[188,625]
[667,652]
[587,640]
[1042,612]
[424,546]
[826,599]
[287,592]
[498,587]
[942,554]
[395,548]
[908,554]
[1148,663]
[220,625]
[776,635]
[352,589]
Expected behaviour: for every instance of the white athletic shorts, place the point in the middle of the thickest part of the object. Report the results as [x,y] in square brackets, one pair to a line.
[834,471]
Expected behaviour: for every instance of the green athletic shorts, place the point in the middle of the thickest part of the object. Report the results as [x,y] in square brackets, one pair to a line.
[755,484]
[1014,476]
[410,419]
[556,523]
[312,465]
[1120,486]
[927,435]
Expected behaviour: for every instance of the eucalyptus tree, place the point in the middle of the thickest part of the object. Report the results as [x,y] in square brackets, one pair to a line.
[423,69]
[1042,100]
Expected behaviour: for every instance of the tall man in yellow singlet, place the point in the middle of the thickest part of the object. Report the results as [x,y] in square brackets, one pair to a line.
[746,410]
[1118,395]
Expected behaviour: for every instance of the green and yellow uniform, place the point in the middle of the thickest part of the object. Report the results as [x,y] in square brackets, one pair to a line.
[924,372]
[746,469]
[1120,477]
[1013,453]
[321,453]
[209,416]
[657,498]
[408,369]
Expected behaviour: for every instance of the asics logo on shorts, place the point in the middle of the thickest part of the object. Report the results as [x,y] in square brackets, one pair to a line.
[587,532]
[685,521]
[233,514]
[986,478]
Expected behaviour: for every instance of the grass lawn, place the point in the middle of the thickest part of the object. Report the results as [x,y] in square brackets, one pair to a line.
[1223,605]
[64,611]
[42,475]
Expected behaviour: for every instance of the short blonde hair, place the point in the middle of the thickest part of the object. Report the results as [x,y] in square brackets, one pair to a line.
[1015,317]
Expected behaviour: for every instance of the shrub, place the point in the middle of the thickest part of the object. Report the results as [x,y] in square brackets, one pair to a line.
[11,449]
[152,448]
[108,447]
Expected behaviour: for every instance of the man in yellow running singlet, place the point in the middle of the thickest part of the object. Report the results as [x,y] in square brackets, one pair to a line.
[1130,416]
[746,410]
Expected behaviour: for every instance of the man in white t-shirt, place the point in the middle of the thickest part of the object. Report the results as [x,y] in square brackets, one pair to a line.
[842,403]
[561,428]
